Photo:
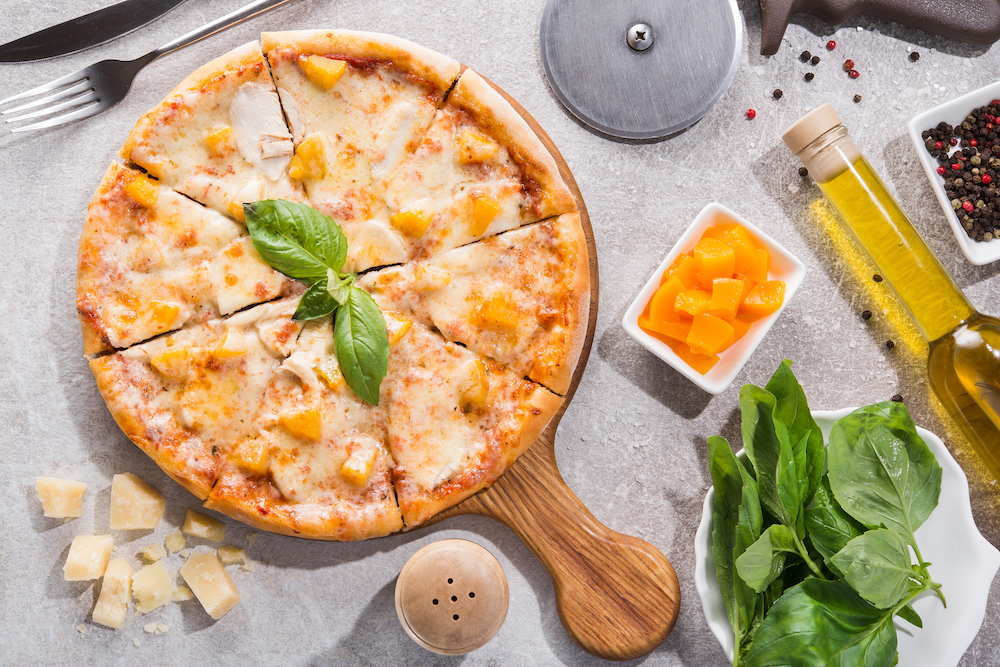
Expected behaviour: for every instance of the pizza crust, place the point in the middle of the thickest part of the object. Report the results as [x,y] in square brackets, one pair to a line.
[494,113]
[430,66]
[578,311]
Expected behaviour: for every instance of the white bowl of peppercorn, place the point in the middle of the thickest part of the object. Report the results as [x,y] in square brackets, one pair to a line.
[959,148]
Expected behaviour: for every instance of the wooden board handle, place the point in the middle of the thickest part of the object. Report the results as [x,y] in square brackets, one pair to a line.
[617,595]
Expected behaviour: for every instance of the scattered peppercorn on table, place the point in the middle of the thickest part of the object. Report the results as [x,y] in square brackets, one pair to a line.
[631,444]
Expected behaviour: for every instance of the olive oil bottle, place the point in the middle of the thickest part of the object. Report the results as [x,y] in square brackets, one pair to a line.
[964,357]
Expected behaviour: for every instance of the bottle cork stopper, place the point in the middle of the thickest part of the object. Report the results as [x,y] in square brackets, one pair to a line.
[810,127]
[452,597]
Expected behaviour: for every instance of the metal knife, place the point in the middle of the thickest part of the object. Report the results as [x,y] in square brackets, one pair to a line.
[86,31]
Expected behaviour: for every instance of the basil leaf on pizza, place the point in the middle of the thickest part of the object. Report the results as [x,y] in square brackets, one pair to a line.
[315,303]
[296,239]
[338,286]
[361,341]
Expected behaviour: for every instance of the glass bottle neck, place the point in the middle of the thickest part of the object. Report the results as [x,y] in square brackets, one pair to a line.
[902,257]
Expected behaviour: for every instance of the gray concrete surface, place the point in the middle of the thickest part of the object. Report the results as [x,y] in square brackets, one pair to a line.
[631,444]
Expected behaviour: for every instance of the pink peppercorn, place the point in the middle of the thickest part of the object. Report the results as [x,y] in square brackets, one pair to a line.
[967,205]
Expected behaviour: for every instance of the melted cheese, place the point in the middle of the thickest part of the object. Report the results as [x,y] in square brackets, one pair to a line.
[169,141]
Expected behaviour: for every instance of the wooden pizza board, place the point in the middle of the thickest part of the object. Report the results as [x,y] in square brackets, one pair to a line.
[617,595]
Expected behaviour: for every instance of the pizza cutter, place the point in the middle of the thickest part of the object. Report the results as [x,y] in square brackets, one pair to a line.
[644,69]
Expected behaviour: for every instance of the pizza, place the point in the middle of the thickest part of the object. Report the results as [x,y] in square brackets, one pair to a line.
[466,237]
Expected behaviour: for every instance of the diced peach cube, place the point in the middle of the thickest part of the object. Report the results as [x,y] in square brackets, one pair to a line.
[702,363]
[758,273]
[661,306]
[709,334]
[727,295]
[693,301]
[713,259]
[684,269]
[764,299]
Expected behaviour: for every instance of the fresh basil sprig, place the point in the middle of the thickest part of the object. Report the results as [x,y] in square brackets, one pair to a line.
[304,244]
[818,576]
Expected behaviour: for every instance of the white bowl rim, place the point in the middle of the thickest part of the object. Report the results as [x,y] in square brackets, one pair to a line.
[722,375]
[977,252]
[960,633]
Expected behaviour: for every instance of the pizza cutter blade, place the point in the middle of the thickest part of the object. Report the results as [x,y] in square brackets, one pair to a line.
[643,69]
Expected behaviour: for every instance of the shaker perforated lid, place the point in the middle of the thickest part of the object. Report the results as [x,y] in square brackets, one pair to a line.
[452,596]
[810,127]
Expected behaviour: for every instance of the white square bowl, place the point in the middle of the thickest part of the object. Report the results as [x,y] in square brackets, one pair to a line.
[784,266]
[953,113]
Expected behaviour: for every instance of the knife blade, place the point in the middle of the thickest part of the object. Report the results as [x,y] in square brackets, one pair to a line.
[85,31]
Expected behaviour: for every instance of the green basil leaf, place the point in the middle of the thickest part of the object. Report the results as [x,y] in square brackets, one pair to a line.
[881,471]
[316,302]
[764,560]
[823,624]
[296,239]
[761,443]
[361,341]
[773,457]
[877,565]
[908,614]
[792,409]
[338,286]
[733,525]
[830,528]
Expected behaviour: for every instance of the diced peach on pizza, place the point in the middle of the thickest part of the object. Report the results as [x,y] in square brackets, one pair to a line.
[220,141]
[324,72]
[309,160]
[473,146]
[411,223]
[484,210]
[302,423]
[142,191]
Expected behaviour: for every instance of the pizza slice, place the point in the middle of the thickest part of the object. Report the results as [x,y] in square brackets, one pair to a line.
[456,421]
[187,397]
[152,261]
[316,465]
[358,104]
[520,298]
[478,171]
[219,137]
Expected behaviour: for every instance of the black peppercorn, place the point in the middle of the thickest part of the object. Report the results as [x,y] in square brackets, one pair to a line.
[777,94]
[804,56]
[857,98]
[914,57]
[803,172]
[814,60]
[866,314]
[898,398]
[877,278]
[889,344]
[809,76]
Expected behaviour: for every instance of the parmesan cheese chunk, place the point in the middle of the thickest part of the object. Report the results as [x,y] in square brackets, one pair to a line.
[88,557]
[175,542]
[152,587]
[181,593]
[210,583]
[134,504]
[153,553]
[61,498]
[116,589]
[230,554]
[205,527]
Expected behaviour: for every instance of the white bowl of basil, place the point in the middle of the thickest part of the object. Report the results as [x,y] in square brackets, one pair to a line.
[957,557]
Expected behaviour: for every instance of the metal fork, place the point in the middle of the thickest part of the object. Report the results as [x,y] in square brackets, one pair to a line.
[100,86]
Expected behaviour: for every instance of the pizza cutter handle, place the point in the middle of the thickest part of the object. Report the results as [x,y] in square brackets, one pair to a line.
[617,595]
[973,21]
